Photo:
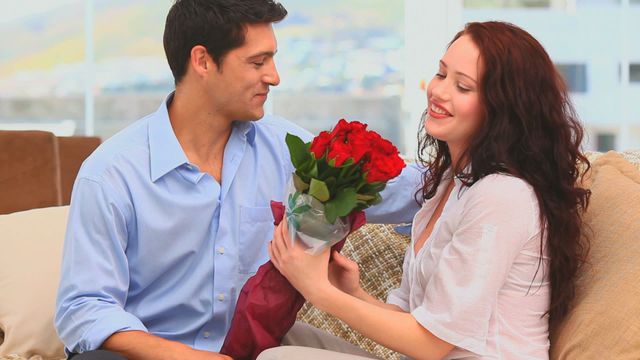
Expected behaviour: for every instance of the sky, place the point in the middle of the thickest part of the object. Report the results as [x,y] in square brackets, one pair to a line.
[11,10]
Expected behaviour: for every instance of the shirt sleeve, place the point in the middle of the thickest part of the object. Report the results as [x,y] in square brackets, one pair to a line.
[94,276]
[398,198]
[461,295]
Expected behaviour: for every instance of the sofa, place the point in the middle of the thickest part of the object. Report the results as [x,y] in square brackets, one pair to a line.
[604,322]
[37,168]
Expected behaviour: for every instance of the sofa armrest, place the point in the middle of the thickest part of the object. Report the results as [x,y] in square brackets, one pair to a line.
[29,171]
[73,151]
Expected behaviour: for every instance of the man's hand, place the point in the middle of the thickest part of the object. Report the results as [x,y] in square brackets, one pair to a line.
[206,355]
[139,345]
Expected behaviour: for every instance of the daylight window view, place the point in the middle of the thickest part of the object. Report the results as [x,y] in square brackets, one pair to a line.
[319,179]
[94,66]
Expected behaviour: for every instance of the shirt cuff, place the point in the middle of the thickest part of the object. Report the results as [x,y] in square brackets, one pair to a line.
[106,326]
[394,299]
[469,343]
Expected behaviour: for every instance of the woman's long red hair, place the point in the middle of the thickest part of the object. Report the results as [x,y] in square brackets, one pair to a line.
[531,131]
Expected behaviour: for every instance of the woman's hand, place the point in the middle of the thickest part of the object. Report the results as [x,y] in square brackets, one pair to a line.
[344,274]
[307,273]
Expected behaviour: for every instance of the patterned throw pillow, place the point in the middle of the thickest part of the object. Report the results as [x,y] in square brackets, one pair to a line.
[380,251]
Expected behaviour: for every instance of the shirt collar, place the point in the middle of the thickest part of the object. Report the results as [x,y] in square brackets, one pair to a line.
[247,129]
[165,151]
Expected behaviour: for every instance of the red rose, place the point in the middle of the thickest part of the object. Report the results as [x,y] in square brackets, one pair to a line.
[340,151]
[341,128]
[320,144]
[384,163]
[360,143]
[349,140]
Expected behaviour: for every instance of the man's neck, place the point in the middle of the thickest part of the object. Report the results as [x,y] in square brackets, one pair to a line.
[202,133]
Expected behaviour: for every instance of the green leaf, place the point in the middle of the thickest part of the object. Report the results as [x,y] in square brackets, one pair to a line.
[310,167]
[298,150]
[330,213]
[292,220]
[344,202]
[318,189]
[331,183]
[365,197]
[300,185]
[301,209]
[292,199]
[347,163]
[305,178]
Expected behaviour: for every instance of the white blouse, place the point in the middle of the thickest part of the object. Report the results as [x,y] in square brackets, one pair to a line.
[477,282]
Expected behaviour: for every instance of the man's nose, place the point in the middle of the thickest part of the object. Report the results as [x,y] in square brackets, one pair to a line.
[272,77]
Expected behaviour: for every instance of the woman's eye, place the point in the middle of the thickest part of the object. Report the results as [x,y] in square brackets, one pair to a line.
[441,75]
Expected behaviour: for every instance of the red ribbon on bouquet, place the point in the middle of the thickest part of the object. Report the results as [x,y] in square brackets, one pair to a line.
[268,304]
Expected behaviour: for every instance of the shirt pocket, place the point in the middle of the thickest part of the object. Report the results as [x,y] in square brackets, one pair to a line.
[256,230]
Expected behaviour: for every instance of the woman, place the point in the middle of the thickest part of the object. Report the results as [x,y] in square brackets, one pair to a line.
[496,246]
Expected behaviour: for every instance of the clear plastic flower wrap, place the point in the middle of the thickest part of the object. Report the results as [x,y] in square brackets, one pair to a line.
[338,173]
[308,223]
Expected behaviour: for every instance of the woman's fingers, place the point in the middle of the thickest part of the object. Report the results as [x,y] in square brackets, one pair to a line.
[279,242]
[284,232]
[272,256]
[337,257]
[341,260]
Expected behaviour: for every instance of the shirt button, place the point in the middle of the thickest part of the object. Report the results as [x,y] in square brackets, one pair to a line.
[206,334]
[221,250]
[221,297]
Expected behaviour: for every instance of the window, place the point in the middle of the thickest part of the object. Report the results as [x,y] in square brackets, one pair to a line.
[508,3]
[575,75]
[43,73]
[38,69]
[605,142]
[339,60]
[634,73]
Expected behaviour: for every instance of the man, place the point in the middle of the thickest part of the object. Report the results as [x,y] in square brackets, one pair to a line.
[171,216]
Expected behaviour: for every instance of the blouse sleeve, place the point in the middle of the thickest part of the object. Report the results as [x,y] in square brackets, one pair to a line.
[498,218]
[400,296]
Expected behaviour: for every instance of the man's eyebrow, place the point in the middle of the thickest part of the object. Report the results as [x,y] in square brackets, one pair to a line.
[262,54]
[458,72]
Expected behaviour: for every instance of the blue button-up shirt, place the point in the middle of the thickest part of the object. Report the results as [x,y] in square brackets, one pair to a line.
[154,244]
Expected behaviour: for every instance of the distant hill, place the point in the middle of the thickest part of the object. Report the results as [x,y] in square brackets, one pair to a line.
[41,41]
[134,28]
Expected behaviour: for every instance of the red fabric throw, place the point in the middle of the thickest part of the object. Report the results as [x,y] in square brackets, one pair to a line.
[268,305]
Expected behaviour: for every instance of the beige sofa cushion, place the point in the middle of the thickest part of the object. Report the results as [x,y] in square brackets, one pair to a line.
[31,249]
[605,320]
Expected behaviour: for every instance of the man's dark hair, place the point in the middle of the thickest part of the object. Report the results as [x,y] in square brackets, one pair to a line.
[218,25]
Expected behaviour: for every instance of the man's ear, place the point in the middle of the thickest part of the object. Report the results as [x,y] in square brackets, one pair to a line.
[201,61]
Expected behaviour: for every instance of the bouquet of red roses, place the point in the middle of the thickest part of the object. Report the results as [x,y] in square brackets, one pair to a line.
[338,173]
